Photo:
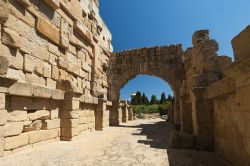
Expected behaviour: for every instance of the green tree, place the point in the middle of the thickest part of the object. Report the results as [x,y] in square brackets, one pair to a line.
[134,100]
[163,98]
[153,100]
[143,98]
[146,100]
[139,98]
[170,98]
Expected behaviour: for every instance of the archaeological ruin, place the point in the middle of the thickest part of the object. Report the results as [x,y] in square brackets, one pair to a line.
[59,77]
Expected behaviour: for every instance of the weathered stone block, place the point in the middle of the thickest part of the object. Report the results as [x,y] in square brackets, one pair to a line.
[69,114]
[51,124]
[15,142]
[50,83]
[40,104]
[4,12]
[69,133]
[17,61]
[39,115]
[71,105]
[17,116]
[21,89]
[41,92]
[57,94]
[38,136]
[11,38]
[13,129]
[2,101]
[33,126]
[47,29]
[3,117]
[25,3]
[47,70]
[54,114]
[69,123]
[53,49]
[29,63]
[55,72]
[4,65]
[54,4]
[241,45]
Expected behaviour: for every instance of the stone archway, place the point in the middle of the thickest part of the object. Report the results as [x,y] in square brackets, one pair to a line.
[164,62]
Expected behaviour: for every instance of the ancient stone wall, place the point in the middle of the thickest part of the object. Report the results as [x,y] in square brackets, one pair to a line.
[231,105]
[54,57]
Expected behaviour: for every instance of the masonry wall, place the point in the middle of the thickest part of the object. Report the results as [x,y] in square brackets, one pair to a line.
[231,105]
[53,56]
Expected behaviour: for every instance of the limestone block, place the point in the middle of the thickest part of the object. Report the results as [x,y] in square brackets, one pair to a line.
[4,12]
[3,117]
[241,44]
[15,142]
[64,42]
[86,67]
[55,72]
[21,89]
[38,136]
[82,29]
[50,83]
[47,29]
[17,116]
[34,79]
[4,65]
[1,141]
[41,92]
[47,70]
[54,4]
[39,115]
[54,114]
[69,123]
[41,53]
[82,120]
[57,94]
[16,75]
[242,96]
[51,124]
[62,63]
[13,129]
[17,61]
[53,59]
[20,103]
[11,38]
[69,115]
[71,105]
[33,126]
[182,140]
[2,101]
[53,49]
[69,132]
[29,63]
[25,3]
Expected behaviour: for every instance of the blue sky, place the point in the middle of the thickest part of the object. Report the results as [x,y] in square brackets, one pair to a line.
[141,23]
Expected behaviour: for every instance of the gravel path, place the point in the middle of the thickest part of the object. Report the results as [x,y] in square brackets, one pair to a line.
[138,143]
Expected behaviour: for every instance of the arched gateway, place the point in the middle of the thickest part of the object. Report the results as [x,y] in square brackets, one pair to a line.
[187,72]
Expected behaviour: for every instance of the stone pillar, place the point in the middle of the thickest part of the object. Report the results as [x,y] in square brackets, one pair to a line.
[124,113]
[114,114]
[176,112]
[69,120]
[130,114]
[99,114]
[202,114]
[186,114]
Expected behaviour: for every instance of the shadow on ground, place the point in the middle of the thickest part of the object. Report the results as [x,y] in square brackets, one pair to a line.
[158,136]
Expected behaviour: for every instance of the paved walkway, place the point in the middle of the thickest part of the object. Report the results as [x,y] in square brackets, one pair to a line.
[138,143]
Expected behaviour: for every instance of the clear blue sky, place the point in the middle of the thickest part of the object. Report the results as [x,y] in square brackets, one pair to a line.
[141,23]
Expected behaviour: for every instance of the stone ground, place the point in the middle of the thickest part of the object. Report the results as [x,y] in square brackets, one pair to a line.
[137,143]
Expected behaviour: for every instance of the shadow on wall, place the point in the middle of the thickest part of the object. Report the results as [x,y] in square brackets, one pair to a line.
[158,137]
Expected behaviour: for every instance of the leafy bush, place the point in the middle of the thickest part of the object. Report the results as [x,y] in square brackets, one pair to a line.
[150,109]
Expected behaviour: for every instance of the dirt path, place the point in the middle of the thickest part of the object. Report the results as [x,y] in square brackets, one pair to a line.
[138,143]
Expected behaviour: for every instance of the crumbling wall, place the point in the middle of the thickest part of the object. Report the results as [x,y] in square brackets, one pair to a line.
[230,98]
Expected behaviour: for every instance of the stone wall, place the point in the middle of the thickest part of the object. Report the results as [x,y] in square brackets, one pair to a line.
[231,105]
[54,58]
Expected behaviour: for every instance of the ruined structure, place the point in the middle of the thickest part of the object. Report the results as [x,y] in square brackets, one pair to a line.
[59,78]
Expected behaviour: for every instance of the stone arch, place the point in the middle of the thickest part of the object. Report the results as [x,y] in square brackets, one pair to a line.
[165,62]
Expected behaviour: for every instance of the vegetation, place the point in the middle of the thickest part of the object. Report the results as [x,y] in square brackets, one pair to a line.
[141,104]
